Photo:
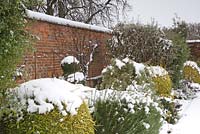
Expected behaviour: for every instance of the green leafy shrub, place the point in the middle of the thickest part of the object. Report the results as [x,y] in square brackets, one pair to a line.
[161,80]
[50,123]
[122,117]
[191,72]
[118,75]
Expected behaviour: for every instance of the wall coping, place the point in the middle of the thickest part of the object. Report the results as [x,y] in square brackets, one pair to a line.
[193,41]
[65,22]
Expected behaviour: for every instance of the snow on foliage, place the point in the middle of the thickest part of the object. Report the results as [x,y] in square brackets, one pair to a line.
[106,69]
[69,60]
[193,65]
[166,43]
[119,63]
[76,77]
[66,22]
[190,119]
[146,125]
[156,71]
[43,95]
[139,67]
[193,41]
[133,95]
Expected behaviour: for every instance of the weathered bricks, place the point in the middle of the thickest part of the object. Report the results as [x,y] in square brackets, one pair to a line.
[57,41]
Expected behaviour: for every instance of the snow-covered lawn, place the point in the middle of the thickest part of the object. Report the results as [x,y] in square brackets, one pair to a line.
[189,121]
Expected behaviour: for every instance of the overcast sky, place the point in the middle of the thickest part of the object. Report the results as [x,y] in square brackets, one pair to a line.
[162,11]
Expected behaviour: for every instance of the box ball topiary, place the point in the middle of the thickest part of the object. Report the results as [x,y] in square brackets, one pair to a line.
[160,79]
[51,123]
[163,85]
[191,72]
[70,65]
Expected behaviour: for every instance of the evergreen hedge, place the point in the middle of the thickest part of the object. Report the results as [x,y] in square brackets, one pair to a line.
[13,41]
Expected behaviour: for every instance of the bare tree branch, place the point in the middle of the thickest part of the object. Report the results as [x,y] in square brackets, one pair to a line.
[102,12]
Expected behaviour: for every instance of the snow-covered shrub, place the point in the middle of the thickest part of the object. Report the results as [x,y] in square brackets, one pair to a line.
[149,44]
[51,123]
[126,113]
[77,77]
[70,66]
[187,90]
[118,75]
[191,72]
[161,80]
[158,80]
[47,106]
[170,110]
[141,43]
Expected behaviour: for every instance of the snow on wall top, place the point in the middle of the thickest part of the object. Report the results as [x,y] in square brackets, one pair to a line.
[62,21]
[193,41]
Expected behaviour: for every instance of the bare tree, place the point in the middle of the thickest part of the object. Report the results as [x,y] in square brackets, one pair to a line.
[194,31]
[102,12]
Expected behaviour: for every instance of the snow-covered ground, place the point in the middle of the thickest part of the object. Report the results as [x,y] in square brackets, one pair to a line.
[189,121]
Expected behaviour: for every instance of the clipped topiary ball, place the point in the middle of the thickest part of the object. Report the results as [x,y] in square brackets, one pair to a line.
[70,65]
[191,71]
[161,80]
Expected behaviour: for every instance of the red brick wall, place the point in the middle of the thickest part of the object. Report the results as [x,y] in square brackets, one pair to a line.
[195,50]
[57,41]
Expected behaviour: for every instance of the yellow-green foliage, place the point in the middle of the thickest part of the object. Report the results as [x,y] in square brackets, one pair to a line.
[163,85]
[191,73]
[52,123]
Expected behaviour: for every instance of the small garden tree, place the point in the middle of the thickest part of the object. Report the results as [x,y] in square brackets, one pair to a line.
[141,43]
[177,34]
